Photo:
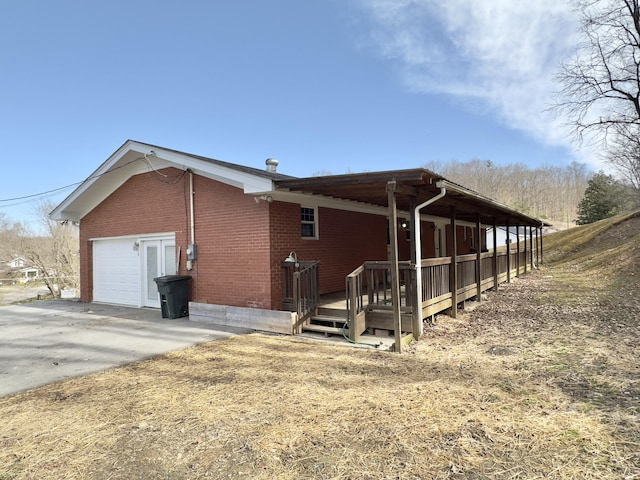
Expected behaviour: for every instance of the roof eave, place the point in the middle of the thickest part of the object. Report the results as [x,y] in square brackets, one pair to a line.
[123,164]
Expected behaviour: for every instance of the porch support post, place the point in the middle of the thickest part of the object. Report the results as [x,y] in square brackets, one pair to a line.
[531,247]
[517,250]
[478,260]
[495,254]
[508,253]
[526,259]
[417,236]
[538,230]
[453,268]
[541,250]
[416,295]
[413,226]
[393,259]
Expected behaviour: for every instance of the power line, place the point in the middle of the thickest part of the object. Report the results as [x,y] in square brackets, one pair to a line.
[25,197]
[39,194]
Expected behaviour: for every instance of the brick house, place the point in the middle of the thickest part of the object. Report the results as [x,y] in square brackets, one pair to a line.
[149,211]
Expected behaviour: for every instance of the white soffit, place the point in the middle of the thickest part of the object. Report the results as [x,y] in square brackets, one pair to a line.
[236,178]
[134,158]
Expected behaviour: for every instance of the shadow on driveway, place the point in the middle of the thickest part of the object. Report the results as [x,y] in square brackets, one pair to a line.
[48,341]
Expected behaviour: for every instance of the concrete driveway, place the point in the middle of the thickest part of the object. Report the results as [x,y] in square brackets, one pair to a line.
[44,342]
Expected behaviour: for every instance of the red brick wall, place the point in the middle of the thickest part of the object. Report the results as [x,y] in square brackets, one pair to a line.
[428,240]
[144,204]
[464,245]
[346,240]
[231,231]
[241,243]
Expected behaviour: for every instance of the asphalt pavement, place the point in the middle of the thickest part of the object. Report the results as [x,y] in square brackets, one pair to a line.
[48,341]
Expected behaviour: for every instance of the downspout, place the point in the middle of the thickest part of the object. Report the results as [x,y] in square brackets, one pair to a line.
[193,223]
[191,254]
[418,235]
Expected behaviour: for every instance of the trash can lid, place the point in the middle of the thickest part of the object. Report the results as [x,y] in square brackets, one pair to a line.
[171,278]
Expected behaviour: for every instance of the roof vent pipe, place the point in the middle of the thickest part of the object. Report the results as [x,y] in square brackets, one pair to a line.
[272,165]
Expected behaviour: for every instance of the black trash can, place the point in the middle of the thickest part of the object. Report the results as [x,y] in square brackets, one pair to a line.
[174,295]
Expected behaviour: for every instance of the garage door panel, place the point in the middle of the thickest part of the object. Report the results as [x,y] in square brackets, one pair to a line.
[116,272]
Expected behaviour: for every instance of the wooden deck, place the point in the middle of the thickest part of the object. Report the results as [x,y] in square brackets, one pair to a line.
[366,303]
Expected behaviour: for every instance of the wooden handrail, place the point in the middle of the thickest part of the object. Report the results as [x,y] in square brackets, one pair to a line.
[302,293]
[368,286]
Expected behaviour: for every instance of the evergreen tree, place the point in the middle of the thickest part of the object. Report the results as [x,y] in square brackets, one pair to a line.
[602,199]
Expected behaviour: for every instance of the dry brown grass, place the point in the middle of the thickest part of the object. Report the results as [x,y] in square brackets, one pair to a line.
[542,381]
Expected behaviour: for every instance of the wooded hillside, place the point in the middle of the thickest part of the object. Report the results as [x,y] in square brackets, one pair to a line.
[550,193]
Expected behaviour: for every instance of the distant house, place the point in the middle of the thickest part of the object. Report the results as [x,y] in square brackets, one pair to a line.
[18,269]
[505,233]
[29,273]
[17,262]
[263,248]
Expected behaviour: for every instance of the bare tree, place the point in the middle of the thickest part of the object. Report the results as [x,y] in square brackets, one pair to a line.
[9,238]
[552,193]
[624,155]
[600,87]
[55,252]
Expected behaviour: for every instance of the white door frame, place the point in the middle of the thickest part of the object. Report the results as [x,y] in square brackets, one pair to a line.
[163,263]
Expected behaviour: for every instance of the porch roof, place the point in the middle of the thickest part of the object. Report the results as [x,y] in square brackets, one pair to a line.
[421,184]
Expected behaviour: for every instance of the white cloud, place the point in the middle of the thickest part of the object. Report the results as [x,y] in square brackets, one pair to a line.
[501,54]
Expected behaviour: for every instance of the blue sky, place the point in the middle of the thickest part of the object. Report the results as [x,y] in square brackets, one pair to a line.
[323,86]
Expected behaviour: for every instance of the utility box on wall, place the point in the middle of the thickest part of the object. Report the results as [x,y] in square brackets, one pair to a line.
[192,251]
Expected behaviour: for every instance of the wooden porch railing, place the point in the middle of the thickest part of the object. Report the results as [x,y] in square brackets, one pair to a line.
[368,290]
[355,293]
[301,291]
[368,286]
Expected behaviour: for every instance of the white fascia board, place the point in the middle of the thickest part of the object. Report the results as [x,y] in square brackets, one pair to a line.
[69,209]
[116,170]
[236,178]
[309,200]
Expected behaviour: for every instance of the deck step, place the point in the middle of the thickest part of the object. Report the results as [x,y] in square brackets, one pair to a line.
[333,312]
[312,327]
[328,319]
[327,324]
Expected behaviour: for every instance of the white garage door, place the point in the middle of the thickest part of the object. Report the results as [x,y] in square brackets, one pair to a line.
[116,272]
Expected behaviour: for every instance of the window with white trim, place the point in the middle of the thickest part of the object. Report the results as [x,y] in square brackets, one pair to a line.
[309,222]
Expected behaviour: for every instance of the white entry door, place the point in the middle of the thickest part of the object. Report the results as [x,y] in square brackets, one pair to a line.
[158,259]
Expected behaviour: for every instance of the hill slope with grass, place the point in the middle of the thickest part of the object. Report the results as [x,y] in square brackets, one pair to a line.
[540,381]
[602,258]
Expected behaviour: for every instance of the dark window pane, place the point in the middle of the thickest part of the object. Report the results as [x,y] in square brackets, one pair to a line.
[308,230]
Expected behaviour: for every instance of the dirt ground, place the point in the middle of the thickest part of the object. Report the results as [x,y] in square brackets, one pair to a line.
[21,292]
[540,381]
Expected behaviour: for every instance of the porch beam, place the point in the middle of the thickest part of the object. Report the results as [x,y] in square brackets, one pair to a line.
[407,190]
[393,259]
